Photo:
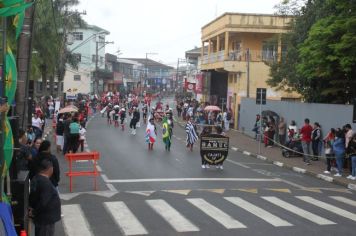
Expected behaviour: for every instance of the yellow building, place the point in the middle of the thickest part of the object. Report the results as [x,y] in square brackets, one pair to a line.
[236,52]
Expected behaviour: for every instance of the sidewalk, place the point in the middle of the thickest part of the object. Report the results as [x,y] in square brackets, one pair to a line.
[240,142]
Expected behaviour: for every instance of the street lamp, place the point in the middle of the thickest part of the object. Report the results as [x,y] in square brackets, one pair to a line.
[147,53]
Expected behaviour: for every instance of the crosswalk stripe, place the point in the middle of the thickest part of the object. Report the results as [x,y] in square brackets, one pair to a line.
[259,212]
[298,211]
[344,200]
[215,213]
[125,219]
[74,221]
[173,217]
[328,207]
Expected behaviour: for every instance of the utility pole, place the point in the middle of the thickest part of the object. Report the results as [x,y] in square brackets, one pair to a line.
[248,73]
[96,77]
[96,87]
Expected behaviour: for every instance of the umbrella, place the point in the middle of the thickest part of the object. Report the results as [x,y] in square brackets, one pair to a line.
[212,108]
[68,109]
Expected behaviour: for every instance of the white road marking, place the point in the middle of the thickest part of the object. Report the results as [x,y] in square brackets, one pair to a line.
[328,207]
[292,183]
[299,211]
[187,179]
[173,217]
[125,219]
[344,200]
[99,168]
[299,170]
[234,148]
[261,157]
[215,213]
[74,221]
[246,153]
[111,187]
[324,177]
[237,163]
[259,212]
[351,186]
[277,163]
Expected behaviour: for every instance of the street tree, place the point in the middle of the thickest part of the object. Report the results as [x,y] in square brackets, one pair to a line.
[315,64]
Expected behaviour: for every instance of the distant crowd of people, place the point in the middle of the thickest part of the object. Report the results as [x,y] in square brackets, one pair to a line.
[191,108]
[337,146]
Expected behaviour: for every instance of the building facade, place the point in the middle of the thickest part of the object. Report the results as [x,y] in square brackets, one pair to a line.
[156,77]
[88,45]
[236,52]
[126,74]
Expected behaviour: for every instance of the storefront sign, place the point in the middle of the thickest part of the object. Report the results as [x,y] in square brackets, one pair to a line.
[214,148]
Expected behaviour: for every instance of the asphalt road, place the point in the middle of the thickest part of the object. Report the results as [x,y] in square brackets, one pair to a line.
[167,193]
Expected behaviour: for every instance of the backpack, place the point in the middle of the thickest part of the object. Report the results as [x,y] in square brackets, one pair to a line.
[228,116]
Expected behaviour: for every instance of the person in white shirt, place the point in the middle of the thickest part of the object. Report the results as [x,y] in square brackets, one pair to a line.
[37,125]
[82,132]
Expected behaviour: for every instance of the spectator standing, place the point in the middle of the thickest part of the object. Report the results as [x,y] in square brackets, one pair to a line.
[74,135]
[316,140]
[257,126]
[23,158]
[226,118]
[45,205]
[60,133]
[351,151]
[82,132]
[37,125]
[348,135]
[45,153]
[282,132]
[271,131]
[305,132]
[329,154]
[339,150]
[66,133]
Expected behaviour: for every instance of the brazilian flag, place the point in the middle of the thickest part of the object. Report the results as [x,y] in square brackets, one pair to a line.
[15,8]
[11,76]
[8,147]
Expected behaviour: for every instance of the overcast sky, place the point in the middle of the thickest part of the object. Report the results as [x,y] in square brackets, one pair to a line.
[166,27]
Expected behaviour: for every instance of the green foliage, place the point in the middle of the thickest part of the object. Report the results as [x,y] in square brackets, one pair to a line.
[321,58]
[51,21]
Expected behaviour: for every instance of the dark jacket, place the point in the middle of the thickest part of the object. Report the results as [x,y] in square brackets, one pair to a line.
[136,116]
[351,148]
[60,128]
[44,200]
[56,171]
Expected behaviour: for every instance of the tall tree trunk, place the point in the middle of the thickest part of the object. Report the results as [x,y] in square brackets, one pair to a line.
[23,60]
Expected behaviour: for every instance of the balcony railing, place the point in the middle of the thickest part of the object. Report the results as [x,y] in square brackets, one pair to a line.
[255,56]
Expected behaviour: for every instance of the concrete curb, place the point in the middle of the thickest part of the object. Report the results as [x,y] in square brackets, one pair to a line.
[293,168]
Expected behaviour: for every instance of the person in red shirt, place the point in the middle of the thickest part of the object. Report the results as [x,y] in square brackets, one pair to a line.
[306,132]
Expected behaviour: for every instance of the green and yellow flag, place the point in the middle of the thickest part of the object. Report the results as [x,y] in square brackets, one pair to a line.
[8,147]
[18,23]
[11,76]
[13,7]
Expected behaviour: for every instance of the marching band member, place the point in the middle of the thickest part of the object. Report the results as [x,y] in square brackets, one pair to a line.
[151,133]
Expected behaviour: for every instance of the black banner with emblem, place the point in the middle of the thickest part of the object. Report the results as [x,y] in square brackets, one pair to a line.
[214,148]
